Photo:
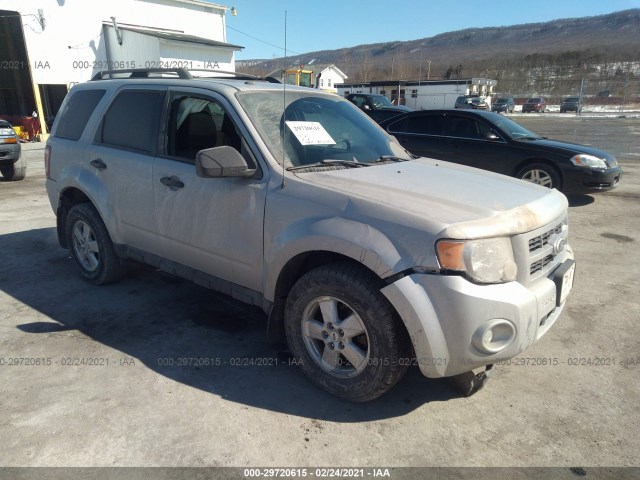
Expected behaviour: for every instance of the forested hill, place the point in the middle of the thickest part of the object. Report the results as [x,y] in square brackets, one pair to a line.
[600,40]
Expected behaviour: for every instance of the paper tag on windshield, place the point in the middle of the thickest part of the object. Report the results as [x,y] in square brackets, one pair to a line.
[310,133]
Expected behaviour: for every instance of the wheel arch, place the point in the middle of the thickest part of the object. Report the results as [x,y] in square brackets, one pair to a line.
[294,269]
[68,198]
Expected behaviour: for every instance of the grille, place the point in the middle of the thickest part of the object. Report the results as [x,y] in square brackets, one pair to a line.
[534,251]
[539,265]
[536,243]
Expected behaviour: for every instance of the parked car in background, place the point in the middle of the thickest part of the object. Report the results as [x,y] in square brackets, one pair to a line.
[535,104]
[377,106]
[472,103]
[493,142]
[504,104]
[571,104]
[13,165]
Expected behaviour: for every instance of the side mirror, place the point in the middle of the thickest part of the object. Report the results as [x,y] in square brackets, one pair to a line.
[220,162]
[492,136]
[366,107]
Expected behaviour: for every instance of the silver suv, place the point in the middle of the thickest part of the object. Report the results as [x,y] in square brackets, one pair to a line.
[366,258]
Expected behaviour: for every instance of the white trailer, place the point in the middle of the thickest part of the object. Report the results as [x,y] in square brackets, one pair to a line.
[424,95]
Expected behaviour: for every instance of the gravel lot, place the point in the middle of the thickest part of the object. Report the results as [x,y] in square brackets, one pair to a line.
[92,376]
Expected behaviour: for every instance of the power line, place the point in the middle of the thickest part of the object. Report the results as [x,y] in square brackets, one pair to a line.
[263,41]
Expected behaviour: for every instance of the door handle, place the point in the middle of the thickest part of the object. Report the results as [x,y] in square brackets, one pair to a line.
[172,182]
[98,163]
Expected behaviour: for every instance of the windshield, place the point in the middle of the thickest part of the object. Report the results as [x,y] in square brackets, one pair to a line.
[501,100]
[514,130]
[572,99]
[380,101]
[316,128]
[534,100]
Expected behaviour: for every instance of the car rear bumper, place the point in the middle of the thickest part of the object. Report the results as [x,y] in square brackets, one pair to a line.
[585,180]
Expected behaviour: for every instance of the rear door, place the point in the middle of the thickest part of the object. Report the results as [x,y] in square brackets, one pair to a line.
[468,140]
[421,134]
[121,159]
[214,225]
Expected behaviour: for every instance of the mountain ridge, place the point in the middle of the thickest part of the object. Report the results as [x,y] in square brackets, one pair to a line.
[487,51]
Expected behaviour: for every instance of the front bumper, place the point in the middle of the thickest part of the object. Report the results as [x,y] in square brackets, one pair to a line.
[9,152]
[585,180]
[444,314]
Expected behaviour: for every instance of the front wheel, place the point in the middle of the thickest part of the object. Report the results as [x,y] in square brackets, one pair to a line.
[343,332]
[15,171]
[540,174]
[91,246]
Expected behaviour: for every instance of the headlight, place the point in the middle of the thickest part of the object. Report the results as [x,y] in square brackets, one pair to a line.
[487,260]
[584,160]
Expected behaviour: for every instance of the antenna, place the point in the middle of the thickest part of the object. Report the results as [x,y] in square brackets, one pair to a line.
[284,102]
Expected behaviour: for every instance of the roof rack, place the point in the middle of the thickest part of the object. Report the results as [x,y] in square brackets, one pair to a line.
[141,73]
[182,73]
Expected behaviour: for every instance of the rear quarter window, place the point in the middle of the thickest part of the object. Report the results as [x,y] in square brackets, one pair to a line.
[76,113]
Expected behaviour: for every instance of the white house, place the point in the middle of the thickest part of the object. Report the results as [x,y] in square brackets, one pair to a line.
[328,77]
[52,44]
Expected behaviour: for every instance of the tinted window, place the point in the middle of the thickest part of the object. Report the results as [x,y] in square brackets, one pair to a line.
[359,101]
[76,112]
[132,120]
[425,124]
[462,127]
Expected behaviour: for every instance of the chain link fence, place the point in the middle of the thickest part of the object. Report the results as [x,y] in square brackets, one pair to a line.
[615,95]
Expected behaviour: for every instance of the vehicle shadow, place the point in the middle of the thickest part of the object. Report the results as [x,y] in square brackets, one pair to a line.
[576,200]
[185,332]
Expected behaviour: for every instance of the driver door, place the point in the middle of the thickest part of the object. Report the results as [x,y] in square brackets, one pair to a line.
[213,225]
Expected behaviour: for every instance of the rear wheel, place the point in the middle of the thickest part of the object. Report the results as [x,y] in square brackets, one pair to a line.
[91,246]
[344,334]
[16,171]
[540,174]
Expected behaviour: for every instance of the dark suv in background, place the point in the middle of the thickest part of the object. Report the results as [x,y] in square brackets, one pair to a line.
[504,104]
[376,105]
[571,104]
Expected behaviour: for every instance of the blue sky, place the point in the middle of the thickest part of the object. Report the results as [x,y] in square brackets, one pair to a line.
[329,24]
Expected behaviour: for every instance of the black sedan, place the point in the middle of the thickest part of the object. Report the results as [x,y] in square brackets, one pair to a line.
[493,142]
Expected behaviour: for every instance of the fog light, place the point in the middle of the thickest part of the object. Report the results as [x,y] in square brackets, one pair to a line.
[494,336]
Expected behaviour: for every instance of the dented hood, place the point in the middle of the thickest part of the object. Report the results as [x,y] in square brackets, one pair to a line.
[466,202]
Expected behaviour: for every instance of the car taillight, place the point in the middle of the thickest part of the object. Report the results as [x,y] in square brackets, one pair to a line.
[47,160]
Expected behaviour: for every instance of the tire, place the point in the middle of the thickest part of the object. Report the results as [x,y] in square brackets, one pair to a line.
[91,247]
[344,334]
[540,174]
[17,171]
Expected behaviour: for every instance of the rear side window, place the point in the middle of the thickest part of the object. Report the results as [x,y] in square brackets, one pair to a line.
[76,113]
[132,120]
[420,124]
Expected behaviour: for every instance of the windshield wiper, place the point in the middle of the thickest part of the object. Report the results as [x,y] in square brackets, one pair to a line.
[389,158]
[328,163]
